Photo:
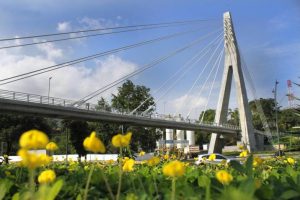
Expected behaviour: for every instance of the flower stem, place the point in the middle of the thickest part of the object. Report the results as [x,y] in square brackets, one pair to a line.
[120,175]
[31,183]
[88,183]
[107,186]
[173,188]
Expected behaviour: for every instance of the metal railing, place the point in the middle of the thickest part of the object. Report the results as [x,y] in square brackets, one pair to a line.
[34,98]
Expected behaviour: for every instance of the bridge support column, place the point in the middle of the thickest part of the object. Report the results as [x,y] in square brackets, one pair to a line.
[169,136]
[190,136]
[232,66]
[180,137]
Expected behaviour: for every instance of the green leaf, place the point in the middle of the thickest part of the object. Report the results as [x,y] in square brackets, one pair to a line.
[78,197]
[249,165]
[4,187]
[290,194]
[54,190]
[16,196]
[203,181]
[237,166]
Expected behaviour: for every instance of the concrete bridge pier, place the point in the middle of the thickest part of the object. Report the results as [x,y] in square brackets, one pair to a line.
[169,136]
[180,137]
[190,136]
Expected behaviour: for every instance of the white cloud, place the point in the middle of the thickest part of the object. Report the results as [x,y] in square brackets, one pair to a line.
[187,103]
[91,23]
[50,51]
[64,27]
[73,82]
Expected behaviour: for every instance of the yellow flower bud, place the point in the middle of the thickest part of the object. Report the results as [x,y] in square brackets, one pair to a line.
[33,139]
[244,154]
[212,157]
[142,153]
[51,146]
[174,169]
[121,140]
[93,144]
[224,177]
[128,165]
[47,176]
[291,161]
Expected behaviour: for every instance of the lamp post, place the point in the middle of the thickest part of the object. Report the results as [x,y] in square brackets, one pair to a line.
[49,88]
[276,117]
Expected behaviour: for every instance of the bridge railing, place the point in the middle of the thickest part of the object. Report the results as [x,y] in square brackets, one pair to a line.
[34,98]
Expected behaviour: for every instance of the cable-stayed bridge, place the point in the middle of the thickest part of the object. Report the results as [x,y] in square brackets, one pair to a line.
[213,51]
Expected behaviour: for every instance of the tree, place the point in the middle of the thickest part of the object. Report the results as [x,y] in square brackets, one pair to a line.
[12,127]
[128,98]
[79,130]
[209,115]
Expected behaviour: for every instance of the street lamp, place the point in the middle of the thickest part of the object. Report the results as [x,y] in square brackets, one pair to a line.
[49,88]
[276,117]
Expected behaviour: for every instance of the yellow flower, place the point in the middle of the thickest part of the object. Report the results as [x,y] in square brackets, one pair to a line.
[166,157]
[33,139]
[121,140]
[47,176]
[224,177]
[174,169]
[241,147]
[244,154]
[142,153]
[128,165]
[291,161]
[257,161]
[32,160]
[212,157]
[51,146]
[93,143]
[153,161]
[173,157]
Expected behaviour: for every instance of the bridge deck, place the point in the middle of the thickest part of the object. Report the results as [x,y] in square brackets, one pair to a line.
[34,105]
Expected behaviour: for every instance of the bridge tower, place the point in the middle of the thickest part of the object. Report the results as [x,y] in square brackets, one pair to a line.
[232,67]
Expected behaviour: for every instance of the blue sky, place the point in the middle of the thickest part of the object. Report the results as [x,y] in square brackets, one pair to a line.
[267,32]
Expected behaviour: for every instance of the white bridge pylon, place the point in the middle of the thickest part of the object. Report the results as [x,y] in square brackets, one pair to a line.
[232,66]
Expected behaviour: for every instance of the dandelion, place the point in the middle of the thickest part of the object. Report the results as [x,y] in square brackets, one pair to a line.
[51,146]
[224,177]
[153,161]
[47,176]
[212,157]
[121,140]
[128,165]
[174,169]
[33,139]
[93,143]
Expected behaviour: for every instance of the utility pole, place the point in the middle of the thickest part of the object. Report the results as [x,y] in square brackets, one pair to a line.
[276,117]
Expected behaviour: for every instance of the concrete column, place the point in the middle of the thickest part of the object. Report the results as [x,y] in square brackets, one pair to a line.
[169,136]
[190,136]
[180,136]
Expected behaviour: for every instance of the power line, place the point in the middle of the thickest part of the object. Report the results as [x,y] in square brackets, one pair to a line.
[68,63]
[85,36]
[104,29]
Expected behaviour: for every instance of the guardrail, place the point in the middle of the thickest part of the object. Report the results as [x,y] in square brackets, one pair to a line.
[52,101]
